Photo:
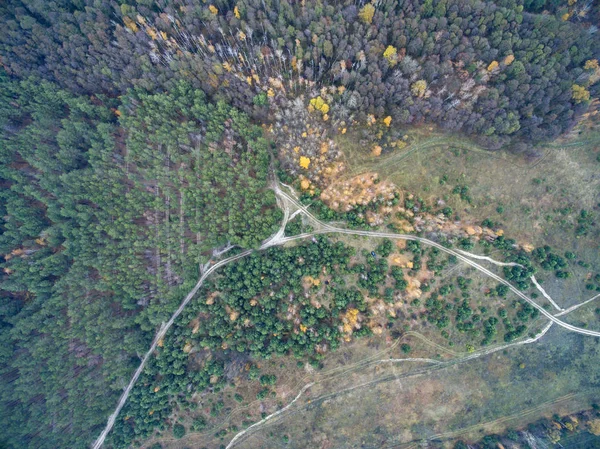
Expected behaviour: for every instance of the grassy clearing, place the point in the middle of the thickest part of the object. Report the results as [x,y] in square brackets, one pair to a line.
[404,402]
[358,403]
[226,412]
[399,406]
[537,201]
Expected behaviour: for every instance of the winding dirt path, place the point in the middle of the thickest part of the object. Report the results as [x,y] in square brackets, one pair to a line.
[544,294]
[437,364]
[284,201]
[325,229]
[159,335]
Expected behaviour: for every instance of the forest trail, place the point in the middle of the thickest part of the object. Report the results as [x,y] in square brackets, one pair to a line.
[435,365]
[276,239]
[392,160]
[159,335]
[323,228]
[287,202]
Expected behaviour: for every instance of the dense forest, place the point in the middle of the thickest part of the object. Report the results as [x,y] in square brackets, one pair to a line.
[489,69]
[244,316]
[132,146]
[105,220]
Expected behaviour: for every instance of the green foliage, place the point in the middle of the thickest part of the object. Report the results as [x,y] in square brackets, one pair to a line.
[547,259]
[70,321]
[385,248]
[210,157]
[260,99]
[487,223]
[514,332]
[198,424]
[463,312]
[293,227]
[502,290]
[266,331]
[414,246]
[374,274]
[463,283]
[435,265]
[489,330]
[348,298]
[463,192]
[104,217]
[437,311]
[585,222]
[216,408]
[262,394]
[466,243]
[253,372]
[178,431]
[268,379]
[520,275]
[447,211]
[105,220]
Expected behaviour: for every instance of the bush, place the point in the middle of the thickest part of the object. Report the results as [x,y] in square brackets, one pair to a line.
[501,290]
[262,393]
[385,248]
[268,379]
[260,99]
[178,431]
[253,372]
[198,424]
[466,243]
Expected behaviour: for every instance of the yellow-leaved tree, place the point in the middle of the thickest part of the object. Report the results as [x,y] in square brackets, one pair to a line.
[130,24]
[366,13]
[391,54]
[319,104]
[493,66]
[591,64]
[304,162]
[580,93]
[418,88]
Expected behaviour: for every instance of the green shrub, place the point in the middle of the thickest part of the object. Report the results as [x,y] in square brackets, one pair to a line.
[178,431]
